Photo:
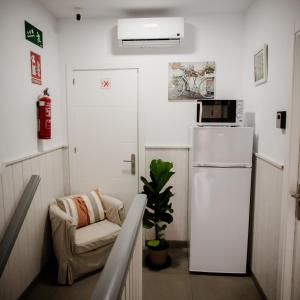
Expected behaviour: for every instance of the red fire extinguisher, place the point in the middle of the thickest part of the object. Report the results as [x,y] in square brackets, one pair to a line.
[44,116]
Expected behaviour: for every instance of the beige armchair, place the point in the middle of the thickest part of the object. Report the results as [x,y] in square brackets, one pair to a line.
[83,250]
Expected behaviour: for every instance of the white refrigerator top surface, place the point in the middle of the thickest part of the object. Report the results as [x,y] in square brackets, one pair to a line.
[223,146]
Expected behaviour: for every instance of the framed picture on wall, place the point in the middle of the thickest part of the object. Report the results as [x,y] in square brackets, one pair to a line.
[191,80]
[261,65]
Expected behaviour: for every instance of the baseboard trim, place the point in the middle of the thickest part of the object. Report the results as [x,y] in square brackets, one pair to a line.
[34,282]
[178,244]
[259,288]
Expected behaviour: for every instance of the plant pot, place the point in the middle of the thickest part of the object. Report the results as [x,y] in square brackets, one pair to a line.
[158,257]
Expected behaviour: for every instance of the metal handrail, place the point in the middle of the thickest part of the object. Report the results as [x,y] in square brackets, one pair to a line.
[10,236]
[113,276]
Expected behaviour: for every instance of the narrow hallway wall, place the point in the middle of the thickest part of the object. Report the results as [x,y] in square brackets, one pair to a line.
[18,95]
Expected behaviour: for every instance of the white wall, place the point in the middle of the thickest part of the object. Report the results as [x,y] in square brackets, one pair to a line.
[92,43]
[270,22]
[273,23]
[17,94]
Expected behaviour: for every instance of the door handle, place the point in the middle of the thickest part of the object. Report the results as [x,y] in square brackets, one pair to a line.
[296,196]
[132,161]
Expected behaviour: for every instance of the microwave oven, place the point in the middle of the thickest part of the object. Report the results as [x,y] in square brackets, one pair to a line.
[220,112]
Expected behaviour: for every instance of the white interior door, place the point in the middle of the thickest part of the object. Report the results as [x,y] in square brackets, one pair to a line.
[296,262]
[103,132]
[294,179]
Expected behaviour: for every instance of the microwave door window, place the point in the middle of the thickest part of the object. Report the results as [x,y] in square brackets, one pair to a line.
[215,113]
[211,112]
[219,111]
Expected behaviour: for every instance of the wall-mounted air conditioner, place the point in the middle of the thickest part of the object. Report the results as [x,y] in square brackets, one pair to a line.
[150,32]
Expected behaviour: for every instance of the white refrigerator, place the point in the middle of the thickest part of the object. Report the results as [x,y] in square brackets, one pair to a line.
[220,180]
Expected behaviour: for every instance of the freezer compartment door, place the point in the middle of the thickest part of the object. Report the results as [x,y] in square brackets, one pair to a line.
[219,219]
[230,145]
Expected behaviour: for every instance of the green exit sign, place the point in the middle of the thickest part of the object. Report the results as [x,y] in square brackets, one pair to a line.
[33,34]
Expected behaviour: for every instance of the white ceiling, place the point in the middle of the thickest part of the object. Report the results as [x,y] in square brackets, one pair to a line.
[143,8]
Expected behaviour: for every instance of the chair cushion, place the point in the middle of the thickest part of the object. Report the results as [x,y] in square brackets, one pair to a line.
[95,236]
[84,209]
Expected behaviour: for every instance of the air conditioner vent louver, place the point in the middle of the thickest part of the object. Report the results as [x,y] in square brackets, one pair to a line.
[150,42]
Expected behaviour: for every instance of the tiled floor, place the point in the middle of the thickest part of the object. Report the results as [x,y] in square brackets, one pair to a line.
[48,289]
[173,283]
[177,283]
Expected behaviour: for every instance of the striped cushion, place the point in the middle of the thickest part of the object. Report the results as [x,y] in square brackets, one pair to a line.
[84,209]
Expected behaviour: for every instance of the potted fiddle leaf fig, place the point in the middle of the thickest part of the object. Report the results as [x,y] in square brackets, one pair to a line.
[158,212]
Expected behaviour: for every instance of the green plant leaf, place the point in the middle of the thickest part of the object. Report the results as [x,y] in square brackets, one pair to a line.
[149,215]
[157,166]
[153,243]
[163,180]
[169,209]
[147,184]
[147,224]
[165,196]
[159,208]
[165,217]
[160,172]
[150,205]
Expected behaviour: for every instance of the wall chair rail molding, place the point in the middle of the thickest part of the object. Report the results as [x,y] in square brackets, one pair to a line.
[270,161]
[34,155]
[167,147]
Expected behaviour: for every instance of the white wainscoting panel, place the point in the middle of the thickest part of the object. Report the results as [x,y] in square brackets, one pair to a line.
[180,158]
[266,226]
[296,285]
[2,215]
[33,244]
